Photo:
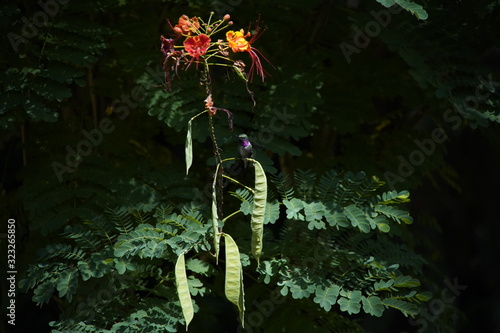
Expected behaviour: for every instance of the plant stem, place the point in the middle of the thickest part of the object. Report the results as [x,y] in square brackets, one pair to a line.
[237,182]
[232,214]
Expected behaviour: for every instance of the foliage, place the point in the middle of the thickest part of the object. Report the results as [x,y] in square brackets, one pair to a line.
[107,258]
[410,6]
[119,222]
[339,225]
[340,229]
[72,45]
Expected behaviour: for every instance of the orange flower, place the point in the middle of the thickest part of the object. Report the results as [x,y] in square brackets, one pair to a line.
[237,42]
[196,46]
[186,25]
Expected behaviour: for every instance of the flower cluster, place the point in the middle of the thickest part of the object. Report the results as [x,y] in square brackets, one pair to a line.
[200,47]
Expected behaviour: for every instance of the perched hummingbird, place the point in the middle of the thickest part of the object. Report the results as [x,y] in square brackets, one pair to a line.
[245,149]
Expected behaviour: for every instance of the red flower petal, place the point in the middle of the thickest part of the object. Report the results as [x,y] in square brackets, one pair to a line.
[196,46]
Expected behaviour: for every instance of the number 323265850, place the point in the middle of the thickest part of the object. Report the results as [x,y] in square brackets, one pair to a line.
[11,247]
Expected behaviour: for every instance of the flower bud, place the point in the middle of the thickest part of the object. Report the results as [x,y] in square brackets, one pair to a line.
[227,17]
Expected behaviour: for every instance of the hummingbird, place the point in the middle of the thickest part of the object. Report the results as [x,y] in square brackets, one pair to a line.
[245,149]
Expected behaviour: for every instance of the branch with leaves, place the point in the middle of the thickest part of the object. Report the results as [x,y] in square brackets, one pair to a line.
[197,47]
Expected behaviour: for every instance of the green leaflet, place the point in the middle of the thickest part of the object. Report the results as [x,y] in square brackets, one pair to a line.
[43,292]
[406,281]
[394,213]
[384,285]
[259,210]
[373,305]
[293,208]
[413,8]
[393,197]
[67,283]
[233,287]
[314,212]
[357,218]
[335,216]
[381,223]
[409,5]
[189,147]
[183,290]
[405,307]
[350,301]
[424,296]
[200,267]
[327,296]
[272,213]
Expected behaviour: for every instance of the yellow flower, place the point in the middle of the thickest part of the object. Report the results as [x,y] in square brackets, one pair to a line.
[237,42]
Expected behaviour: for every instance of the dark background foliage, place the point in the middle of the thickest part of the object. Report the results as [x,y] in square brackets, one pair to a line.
[98,60]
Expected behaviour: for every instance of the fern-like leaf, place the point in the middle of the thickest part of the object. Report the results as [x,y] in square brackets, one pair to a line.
[121,218]
[393,197]
[67,283]
[408,309]
[284,185]
[326,186]
[347,188]
[62,251]
[394,213]
[84,237]
[358,218]
[138,242]
[304,183]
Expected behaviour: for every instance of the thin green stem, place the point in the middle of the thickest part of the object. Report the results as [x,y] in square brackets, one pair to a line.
[232,214]
[210,18]
[219,28]
[237,182]
[199,114]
